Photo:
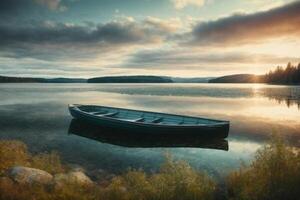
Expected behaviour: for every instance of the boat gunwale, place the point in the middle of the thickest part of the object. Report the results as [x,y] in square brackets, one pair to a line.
[218,123]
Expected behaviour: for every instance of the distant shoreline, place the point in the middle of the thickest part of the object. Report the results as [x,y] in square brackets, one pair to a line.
[279,77]
[106,79]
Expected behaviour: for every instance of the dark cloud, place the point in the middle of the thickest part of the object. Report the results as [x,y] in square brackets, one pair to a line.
[240,28]
[34,38]
[58,33]
[183,58]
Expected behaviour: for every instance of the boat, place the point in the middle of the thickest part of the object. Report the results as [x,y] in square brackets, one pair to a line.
[127,139]
[145,122]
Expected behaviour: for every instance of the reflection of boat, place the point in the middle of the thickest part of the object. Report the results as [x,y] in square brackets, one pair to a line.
[150,122]
[123,138]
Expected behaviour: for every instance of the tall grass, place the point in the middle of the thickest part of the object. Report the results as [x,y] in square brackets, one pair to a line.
[175,180]
[274,174]
[13,153]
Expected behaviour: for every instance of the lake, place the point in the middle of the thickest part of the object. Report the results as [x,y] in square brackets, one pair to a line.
[37,114]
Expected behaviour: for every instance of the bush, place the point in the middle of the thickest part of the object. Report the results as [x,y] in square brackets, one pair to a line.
[274,174]
[14,153]
[175,180]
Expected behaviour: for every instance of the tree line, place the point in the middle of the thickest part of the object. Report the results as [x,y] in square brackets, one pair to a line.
[288,75]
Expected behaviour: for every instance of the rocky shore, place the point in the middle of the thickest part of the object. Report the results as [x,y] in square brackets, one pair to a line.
[32,176]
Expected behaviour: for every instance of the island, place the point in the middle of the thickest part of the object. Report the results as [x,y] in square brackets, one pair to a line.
[130,79]
[9,79]
[6,79]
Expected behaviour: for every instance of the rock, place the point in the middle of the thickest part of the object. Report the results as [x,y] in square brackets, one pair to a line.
[26,175]
[74,177]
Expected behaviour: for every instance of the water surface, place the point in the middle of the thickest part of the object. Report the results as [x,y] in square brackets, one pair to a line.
[37,114]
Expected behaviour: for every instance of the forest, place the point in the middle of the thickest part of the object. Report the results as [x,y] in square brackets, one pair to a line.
[288,75]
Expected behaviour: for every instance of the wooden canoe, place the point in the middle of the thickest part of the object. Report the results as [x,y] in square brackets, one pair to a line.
[150,122]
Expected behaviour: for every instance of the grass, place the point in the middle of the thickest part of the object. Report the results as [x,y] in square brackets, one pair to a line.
[274,174]
[175,180]
[14,153]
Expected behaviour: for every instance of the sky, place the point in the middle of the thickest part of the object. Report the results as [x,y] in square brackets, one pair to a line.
[182,38]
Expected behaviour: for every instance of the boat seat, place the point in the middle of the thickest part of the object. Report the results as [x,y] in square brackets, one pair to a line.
[109,114]
[136,120]
[157,120]
[98,112]
[140,119]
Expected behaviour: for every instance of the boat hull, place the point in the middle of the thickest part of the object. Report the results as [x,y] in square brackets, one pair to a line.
[137,140]
[212,131]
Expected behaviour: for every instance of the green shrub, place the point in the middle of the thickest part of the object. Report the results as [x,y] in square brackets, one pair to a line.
[274,174]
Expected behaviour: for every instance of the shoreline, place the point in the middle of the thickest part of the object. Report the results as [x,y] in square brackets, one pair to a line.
[45,172]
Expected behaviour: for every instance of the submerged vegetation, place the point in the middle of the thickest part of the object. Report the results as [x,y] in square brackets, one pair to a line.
[274,174]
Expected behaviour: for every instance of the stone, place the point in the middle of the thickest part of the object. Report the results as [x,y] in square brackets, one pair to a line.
[26,175]
[73,177]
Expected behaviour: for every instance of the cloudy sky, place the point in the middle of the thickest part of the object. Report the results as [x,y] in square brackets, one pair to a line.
[187,38]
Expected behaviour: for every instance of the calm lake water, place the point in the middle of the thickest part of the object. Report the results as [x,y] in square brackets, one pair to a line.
[37,114]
